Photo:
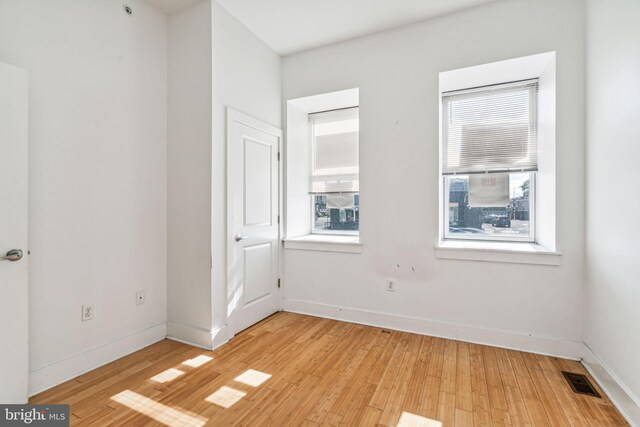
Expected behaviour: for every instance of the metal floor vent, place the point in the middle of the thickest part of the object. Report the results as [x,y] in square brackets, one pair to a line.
[580,384]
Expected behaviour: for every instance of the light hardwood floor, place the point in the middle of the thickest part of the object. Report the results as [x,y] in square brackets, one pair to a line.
[306,371]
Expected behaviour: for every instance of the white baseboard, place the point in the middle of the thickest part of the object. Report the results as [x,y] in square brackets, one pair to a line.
[219,337]
[78,364]
[626,402]
[197,337]
[493,337]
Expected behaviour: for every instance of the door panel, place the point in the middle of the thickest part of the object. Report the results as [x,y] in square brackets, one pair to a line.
[253,230]
[14,284]
[257,262]
[257,182]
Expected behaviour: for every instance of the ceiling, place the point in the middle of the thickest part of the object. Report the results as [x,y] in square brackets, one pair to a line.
[172,6]
[290,26]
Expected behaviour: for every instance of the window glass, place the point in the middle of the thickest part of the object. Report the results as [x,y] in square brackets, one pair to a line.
[489,206]
[336,213]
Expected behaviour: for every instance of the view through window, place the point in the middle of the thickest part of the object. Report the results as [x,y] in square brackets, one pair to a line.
[468,218]
[329,216]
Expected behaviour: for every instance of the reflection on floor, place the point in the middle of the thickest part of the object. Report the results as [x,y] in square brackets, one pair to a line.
[305,371]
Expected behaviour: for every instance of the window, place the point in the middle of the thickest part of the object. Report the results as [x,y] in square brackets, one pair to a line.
[334,180]
[489,162]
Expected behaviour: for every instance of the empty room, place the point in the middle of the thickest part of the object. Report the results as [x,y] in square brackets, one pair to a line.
[319,213]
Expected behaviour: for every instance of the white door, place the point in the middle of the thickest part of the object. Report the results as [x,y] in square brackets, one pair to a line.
[252,230]
[14,284]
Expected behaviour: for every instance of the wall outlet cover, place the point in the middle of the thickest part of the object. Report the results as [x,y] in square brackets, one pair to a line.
[140,298]
[87,312]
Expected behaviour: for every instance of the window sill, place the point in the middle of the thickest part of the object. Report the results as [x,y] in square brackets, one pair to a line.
[518,253]
[325,243]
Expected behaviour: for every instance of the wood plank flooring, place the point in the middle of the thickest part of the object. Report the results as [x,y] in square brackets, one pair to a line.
[299,370]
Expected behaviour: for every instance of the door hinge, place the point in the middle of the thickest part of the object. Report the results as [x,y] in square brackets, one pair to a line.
[278,219]
[278,283]
[278,156]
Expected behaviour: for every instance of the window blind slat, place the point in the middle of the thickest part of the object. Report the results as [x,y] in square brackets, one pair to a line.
[490,130]
[335,152]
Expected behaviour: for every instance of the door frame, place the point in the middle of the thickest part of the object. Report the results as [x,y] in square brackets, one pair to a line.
[237,116]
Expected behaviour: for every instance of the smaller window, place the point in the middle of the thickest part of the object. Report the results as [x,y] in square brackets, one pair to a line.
[335,171]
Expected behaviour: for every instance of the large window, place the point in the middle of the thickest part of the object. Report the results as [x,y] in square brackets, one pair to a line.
[489,162]
[335,168]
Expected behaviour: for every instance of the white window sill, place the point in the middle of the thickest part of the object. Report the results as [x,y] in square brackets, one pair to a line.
[325,243]
[519,253]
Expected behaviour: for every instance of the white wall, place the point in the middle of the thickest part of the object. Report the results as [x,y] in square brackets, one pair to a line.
[612,295]
[397,73]
[298,206]
[97,142]
[189,174]
[246,77]
[214,62]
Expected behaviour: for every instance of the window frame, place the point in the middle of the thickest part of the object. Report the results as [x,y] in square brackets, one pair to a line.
[543,67]
[485,237]
[312,197]
[444,181]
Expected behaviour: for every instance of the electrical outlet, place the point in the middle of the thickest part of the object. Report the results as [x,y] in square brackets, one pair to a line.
[140,297]
[391,286]
[87,312]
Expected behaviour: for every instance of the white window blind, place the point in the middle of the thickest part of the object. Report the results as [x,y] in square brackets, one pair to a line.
[490,129]
[335,163]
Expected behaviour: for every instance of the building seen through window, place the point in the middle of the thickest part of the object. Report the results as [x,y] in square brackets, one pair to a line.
[509,221]
[336,215]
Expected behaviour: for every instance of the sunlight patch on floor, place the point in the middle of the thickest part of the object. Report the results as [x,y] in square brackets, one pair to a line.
[407,419]
[226,397]
[162,413]
[197,361]
[252,377]
[166,376]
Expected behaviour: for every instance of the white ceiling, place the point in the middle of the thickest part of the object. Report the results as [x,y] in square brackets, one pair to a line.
[172,6]
[290,26]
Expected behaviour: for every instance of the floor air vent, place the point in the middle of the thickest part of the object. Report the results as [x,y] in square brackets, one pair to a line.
[580,384]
